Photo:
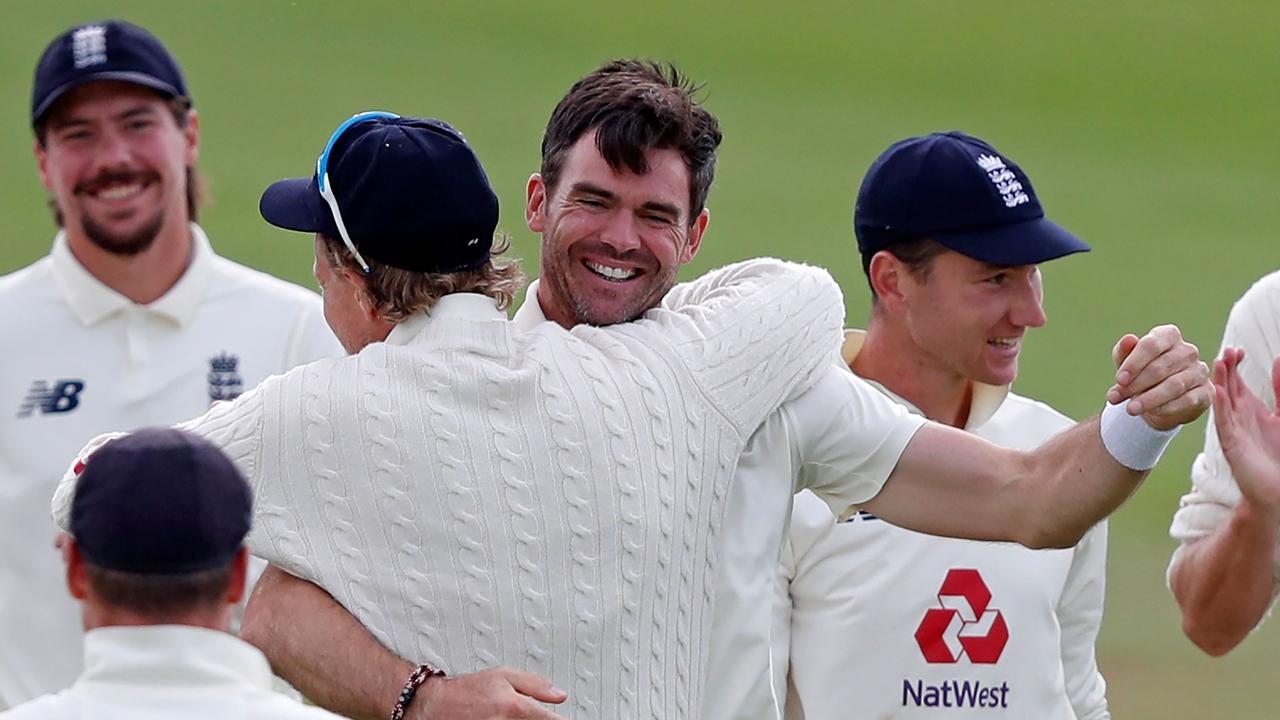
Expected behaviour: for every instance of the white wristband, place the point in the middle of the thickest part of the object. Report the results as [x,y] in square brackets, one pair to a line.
[1130,440]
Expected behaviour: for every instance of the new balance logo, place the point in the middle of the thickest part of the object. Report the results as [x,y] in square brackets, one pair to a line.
[63,396]
[856,516]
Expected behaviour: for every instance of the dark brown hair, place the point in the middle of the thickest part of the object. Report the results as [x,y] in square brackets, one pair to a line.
[398,294]
[160,595]
[634,106]
[917,255]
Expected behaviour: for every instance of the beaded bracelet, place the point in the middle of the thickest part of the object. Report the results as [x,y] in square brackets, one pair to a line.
[420,674]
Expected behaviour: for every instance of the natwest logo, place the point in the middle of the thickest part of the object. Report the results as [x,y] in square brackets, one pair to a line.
[965,624]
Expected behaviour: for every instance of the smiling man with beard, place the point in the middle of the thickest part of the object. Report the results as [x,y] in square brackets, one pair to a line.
[131,320]
[627,162]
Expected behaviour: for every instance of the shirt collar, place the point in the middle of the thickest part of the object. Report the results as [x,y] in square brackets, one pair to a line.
[92,301]
[529,315]
[462,306]
[986,400]
[167,654]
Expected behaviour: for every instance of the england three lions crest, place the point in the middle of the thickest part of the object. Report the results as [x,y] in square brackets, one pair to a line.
[225,382]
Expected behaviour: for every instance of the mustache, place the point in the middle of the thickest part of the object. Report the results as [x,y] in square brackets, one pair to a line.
[110,177]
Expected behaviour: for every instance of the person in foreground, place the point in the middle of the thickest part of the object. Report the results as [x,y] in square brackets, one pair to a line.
[131,320]
[604,586]
[1225,573]
[840,437]
[442,482]
[956,626]
[157,561]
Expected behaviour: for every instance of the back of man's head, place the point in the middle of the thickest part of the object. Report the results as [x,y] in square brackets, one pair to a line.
[158,524]
[403,204]
[635,106]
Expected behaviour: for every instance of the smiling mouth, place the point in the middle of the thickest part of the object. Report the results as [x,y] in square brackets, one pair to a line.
[613,274]
[119,192]
[1005,343]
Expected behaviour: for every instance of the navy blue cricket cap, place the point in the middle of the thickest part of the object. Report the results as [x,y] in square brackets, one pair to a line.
[412,194]
[107,50]
[160,502]
[961,192]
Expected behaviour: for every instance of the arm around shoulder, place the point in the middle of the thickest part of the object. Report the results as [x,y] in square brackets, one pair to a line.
[753,334]
[233,426]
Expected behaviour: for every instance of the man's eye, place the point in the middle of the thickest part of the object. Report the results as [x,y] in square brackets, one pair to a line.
[998,279]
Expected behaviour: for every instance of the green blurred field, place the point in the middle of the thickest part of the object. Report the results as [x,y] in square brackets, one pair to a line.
[1148,128]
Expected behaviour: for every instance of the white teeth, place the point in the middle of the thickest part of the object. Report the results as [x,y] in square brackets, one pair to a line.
[1004,342]
[120,192]
[611,272]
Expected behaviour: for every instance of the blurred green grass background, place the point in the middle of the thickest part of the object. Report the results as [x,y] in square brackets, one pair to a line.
[1147,127]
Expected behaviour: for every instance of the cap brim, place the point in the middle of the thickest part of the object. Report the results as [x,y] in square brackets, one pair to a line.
[294,204]
[1025,243]
[133,78]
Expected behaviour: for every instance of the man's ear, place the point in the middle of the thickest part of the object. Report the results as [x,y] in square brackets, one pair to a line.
[535,193]
[239,577]
[77,573]
[191,133]
[890,278]
[359,287]
[42,163]
[695,236]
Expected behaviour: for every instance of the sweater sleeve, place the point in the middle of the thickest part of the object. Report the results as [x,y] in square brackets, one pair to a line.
[1079,619]
[1254,324]
[752,335]
[233,426]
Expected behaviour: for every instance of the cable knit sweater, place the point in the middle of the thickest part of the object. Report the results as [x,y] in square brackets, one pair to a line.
[480,495]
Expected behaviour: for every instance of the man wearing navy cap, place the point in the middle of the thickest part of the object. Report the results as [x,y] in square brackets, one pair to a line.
[156,559]
[951,234]
[480,495]
[628,160]
[131,320]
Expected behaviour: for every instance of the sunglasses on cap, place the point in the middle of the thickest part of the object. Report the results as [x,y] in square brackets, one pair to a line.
[322,176]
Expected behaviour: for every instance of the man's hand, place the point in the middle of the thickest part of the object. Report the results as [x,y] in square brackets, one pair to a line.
[1248,432]
[1162,378]
[496,694]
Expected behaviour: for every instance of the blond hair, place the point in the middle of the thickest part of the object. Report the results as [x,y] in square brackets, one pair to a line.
[398,294]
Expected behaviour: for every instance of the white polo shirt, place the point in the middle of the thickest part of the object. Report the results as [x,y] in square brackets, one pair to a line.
[168,671]
[882,622]
[1253,325]
[80,360]
[841,439]
[552,499]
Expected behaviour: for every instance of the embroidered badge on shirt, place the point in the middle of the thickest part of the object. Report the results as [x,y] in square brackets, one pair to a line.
[62,396]
[225,382]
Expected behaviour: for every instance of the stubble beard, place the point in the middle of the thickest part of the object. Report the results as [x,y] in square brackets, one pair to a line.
[123,245]
[587,313]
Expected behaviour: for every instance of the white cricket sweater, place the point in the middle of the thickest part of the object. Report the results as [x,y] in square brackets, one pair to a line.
[85,360]
[479,495]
